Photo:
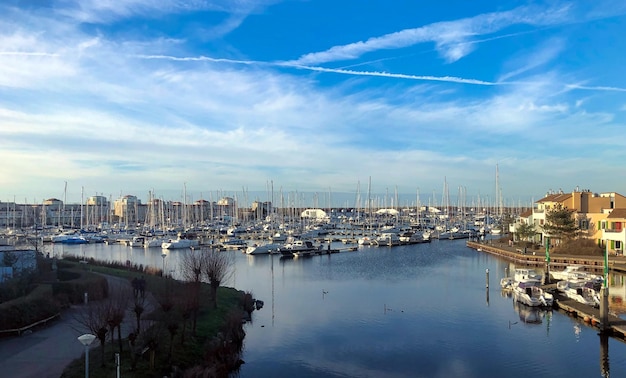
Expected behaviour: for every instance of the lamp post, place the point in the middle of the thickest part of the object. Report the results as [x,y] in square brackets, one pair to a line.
[86,340]
[163,255]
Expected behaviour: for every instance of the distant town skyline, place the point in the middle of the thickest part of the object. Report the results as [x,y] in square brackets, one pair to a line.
[124,97]
[280,198]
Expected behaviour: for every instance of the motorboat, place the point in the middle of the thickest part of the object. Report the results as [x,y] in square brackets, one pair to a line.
[234,243]
[278,237]
[298,248]
[136,241]
[387,239]
[582,291]
[412,238]
[60,238]
[520,275]
[576,273]
[531,294]
[74,240]
[365,240]
[562,275]
[155,242]
[179,243]
[263,249]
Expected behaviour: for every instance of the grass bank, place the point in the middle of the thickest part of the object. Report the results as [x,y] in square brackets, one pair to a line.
[168,344]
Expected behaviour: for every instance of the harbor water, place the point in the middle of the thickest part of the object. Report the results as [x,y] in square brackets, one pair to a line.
[409,311]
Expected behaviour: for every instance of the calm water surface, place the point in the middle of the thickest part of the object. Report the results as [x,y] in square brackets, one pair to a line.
[409,311]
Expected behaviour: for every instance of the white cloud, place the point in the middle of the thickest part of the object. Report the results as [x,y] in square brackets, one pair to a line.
[528,61]
[450,37]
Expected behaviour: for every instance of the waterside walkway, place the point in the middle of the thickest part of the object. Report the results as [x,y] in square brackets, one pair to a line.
[537,258]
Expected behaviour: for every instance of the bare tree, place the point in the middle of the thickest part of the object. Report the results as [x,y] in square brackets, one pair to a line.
[218,267]
[138,306]
[119,296]
[191,268]
[94,318]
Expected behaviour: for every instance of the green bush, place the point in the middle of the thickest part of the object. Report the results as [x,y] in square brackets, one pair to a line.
[72,290]
[67,275]
[36,306]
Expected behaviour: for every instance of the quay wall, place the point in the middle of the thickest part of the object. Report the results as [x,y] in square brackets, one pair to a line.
[538,258]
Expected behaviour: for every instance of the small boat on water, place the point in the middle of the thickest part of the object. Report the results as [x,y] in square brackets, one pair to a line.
[531,294]
[74,240]
[155,242]
[582,291]
[520,275]
[299,248]
[576,272]
[136,242]
[234,243]
[180,243]
[387,239]
[263,249]
[365,240]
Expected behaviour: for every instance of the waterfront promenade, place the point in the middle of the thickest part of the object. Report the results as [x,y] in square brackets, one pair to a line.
[537,257]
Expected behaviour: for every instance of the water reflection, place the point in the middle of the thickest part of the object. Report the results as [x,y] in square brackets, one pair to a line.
[329,316]
[604,355]
[530,315]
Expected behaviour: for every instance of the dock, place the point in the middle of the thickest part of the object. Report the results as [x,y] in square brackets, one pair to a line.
[537,258]
[587,314]
[590,315]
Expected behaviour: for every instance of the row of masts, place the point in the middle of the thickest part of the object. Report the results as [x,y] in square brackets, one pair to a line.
[171,213]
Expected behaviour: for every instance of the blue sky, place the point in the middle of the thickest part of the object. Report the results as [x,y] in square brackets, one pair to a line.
[128,96]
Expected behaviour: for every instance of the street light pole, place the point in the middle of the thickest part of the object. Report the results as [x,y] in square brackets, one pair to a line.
[86,340]
[163,271]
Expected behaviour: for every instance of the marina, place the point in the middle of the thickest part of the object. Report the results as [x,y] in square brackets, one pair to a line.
[403,310]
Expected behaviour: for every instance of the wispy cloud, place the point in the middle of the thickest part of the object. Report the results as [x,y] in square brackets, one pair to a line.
[595,88]
[528,61]
[107,11]
[449,79]
[451,37]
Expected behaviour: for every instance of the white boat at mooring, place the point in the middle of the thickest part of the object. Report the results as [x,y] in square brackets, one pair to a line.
[531,294]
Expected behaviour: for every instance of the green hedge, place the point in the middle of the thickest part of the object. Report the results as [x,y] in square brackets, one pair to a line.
[21,312]
[74,284]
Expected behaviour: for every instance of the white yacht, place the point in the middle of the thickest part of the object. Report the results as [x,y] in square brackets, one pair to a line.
[263,249]
[575,272]
[520,275]
[581,291]
[179,243]
[155,242]
[531,294]
[136,241]
[388,239]
[299,248]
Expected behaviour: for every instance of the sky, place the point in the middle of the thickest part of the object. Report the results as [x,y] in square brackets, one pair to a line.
[113,97]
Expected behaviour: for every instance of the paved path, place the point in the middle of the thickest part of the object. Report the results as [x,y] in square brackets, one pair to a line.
[46,352]
[43,353]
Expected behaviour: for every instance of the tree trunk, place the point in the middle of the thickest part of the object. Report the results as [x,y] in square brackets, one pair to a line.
[214,286]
